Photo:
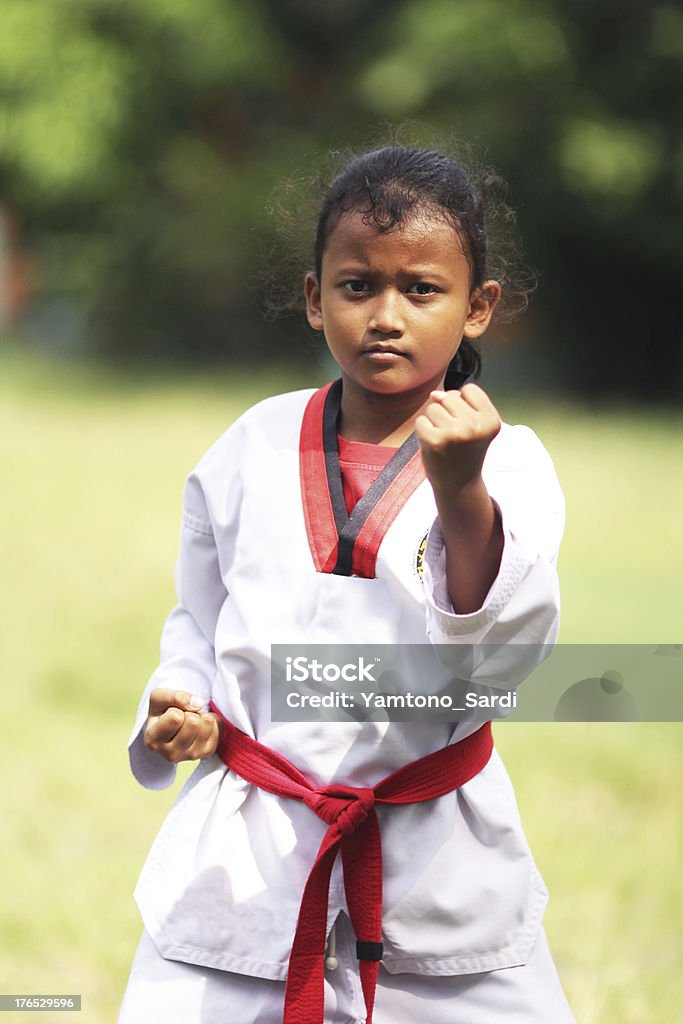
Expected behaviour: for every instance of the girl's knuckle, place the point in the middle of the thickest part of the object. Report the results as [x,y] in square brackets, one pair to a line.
[174,717]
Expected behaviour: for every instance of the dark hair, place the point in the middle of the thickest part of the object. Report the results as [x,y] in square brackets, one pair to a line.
[394,183]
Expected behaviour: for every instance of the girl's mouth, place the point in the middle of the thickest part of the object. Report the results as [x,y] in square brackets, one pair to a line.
[383,353]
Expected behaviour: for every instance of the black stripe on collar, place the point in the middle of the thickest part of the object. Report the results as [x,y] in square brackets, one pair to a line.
[348,527]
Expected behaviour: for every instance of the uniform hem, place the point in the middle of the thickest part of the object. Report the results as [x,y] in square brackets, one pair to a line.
[514,955]
[207,958]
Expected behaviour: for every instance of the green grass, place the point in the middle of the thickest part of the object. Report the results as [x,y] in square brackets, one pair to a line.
[93,466]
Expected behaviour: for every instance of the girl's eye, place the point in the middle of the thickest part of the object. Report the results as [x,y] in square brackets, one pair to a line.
[356,286]
[421,288]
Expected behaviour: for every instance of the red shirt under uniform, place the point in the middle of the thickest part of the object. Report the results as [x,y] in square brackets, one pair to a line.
[360,465]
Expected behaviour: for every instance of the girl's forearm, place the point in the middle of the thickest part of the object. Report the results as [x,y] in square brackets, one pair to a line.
[473,537]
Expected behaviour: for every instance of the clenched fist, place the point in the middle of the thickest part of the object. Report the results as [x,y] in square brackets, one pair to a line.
[178,729]
[454,432]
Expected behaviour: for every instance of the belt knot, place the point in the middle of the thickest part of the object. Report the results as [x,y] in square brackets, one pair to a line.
[344,806]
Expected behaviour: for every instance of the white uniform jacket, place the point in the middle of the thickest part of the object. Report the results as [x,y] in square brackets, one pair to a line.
[222,884]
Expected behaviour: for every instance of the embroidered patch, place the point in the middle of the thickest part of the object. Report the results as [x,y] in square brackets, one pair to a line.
[419,556]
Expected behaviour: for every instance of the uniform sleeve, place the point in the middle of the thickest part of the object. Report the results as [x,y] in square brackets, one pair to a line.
[502,642]
[187,656]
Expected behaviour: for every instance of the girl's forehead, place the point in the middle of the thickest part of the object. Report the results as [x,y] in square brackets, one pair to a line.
[423,237]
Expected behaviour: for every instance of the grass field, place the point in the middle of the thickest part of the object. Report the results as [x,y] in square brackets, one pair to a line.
[92,467]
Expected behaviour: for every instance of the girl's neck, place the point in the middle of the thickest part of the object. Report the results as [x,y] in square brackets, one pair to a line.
[379,419]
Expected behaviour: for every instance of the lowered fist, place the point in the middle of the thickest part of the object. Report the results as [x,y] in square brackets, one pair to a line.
[178,729]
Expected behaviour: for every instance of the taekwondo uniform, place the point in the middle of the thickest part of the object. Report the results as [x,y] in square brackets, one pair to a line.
[269,555]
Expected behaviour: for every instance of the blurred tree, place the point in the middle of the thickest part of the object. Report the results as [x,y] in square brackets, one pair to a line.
[127,134]
[140,140]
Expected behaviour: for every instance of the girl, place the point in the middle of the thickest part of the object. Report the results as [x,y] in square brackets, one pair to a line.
[306,523]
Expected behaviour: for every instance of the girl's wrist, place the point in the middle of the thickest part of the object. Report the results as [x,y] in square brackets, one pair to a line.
[466,499]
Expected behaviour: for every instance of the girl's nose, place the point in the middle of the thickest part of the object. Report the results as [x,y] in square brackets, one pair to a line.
[386,316]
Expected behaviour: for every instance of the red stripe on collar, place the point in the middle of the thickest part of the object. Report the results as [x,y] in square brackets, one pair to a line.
[315,495]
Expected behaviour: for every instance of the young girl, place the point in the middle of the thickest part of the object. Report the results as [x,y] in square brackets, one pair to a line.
[306,523]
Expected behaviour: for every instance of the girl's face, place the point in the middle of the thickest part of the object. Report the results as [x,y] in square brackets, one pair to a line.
[394,306]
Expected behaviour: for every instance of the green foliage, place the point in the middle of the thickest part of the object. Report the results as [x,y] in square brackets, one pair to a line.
[140,140]
[608,160]
[61,84]
[75,77]
[469,48]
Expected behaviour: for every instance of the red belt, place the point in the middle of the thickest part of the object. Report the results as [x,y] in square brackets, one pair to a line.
[353,829]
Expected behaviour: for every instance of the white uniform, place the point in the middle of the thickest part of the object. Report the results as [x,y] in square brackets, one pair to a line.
[222,884]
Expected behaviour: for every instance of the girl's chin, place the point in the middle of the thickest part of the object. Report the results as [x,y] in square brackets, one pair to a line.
[389,383]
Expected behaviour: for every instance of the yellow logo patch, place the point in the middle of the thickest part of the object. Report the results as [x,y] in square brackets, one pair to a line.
[419,555]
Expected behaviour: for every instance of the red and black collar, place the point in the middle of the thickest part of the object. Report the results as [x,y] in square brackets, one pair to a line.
[344,544]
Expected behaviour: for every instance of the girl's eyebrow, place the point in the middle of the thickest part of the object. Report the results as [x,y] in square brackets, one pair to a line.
[414,270]
[423,270]
[357,268]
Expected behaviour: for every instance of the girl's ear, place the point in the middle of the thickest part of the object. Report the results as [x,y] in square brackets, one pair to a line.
[314,310]
[483,301]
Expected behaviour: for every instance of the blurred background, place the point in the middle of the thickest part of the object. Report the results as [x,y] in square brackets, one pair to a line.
[140,143]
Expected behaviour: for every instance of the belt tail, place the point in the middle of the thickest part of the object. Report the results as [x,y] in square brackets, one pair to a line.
[362,861]
[304,992]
